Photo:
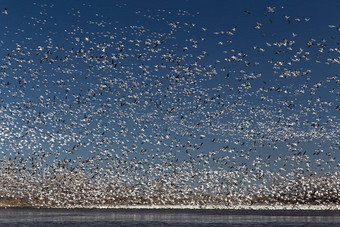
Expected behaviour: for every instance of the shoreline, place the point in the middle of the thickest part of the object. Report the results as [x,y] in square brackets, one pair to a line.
[193,207]
[236,207]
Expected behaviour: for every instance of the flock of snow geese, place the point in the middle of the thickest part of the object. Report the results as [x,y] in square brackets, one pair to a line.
[167,111]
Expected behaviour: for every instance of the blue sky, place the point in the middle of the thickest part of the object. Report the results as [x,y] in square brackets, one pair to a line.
[233,81]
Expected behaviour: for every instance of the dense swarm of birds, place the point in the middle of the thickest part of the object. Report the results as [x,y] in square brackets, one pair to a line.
[167,111]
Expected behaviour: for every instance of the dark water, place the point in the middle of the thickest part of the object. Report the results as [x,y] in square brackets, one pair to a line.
[146,217]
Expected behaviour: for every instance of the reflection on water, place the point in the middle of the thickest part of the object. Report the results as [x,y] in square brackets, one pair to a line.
[135,217]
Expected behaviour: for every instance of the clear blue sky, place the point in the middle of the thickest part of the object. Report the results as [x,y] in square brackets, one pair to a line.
[229,79]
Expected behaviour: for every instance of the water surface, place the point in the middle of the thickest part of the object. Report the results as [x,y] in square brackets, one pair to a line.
[165,217]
